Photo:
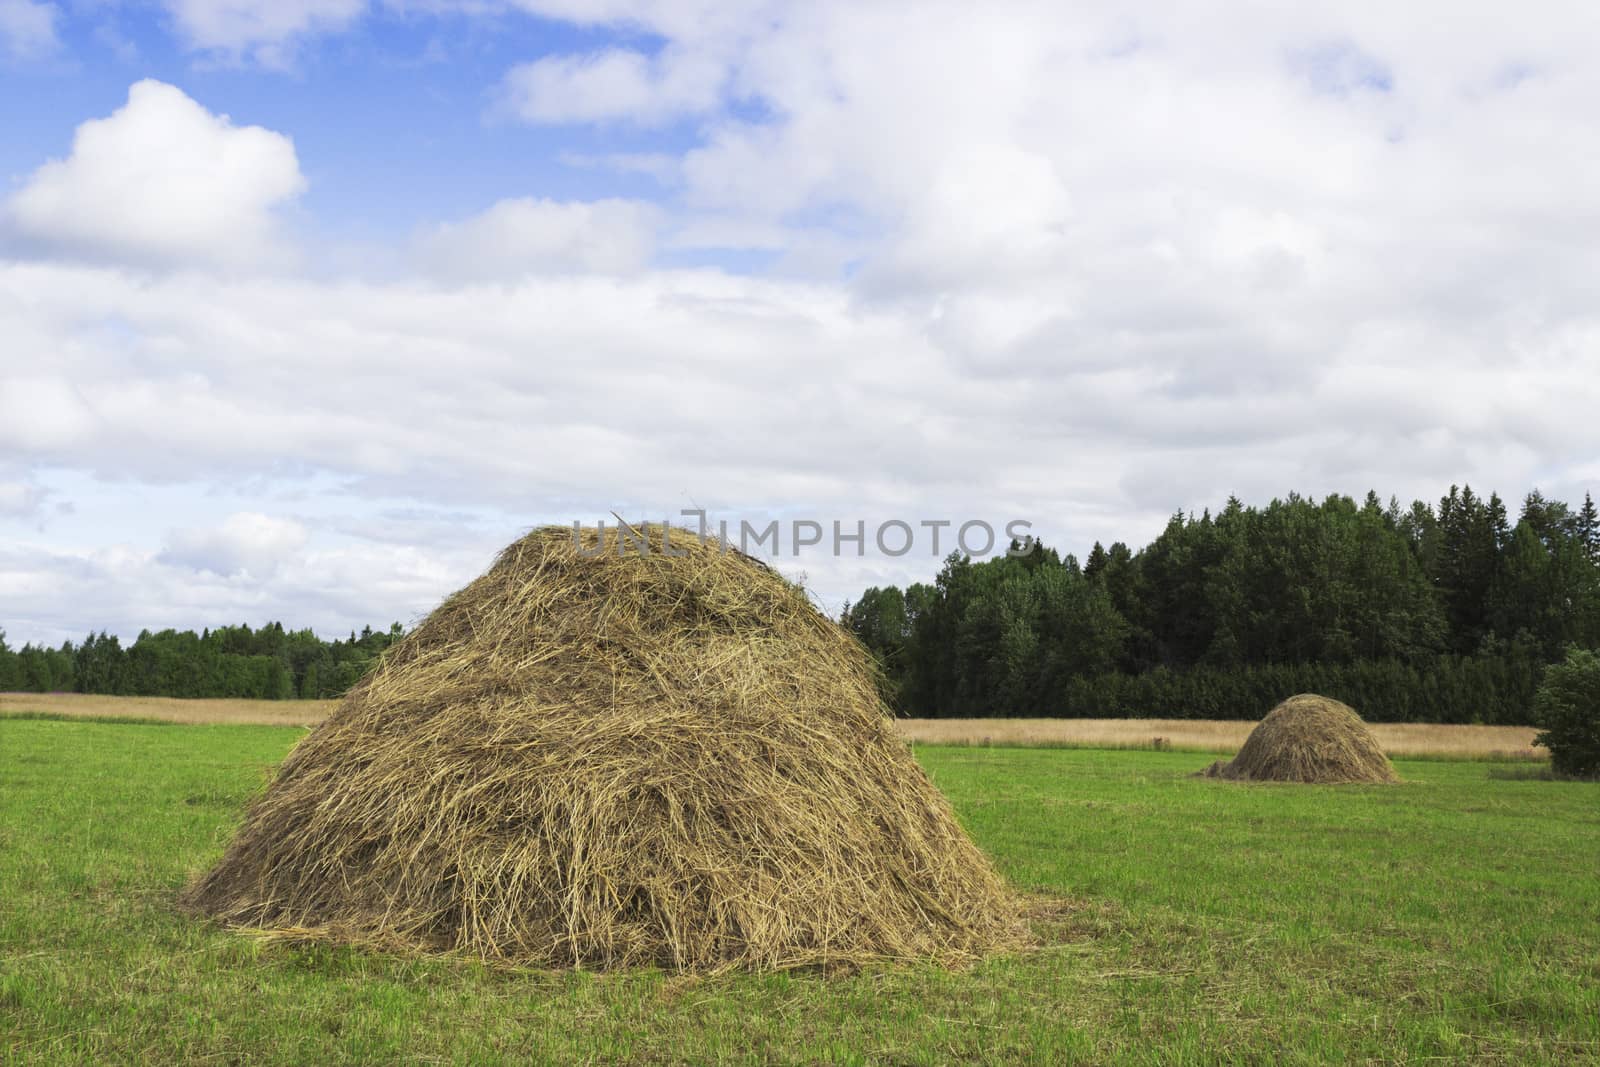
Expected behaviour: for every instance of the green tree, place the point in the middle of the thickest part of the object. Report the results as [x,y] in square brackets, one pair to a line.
[10,674]
[1081,633]
[1567,706]
[1465,564]
[1436,617]
[99,664]
[879,620]
[1589,529]
[311,683]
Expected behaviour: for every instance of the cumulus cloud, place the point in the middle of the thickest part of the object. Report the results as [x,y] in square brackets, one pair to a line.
[535,236]
[161,180]
[244,543]
[1024,144]
[27,28]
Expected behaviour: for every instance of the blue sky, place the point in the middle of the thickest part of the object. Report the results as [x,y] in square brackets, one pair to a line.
[307,307]
[396,120]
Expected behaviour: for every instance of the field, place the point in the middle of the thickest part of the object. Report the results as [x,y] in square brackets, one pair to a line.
[1399,739]
[1196,735]
[167,709]
[1454,917]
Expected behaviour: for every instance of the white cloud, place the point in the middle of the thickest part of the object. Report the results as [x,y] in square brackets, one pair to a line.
[661,166]
[331,589]
[20,499]
[162,180]
[260,29]
[244,543]
[614,84]
[40,414]
[562,397]
[1078,265]
[27,28]
[1018,142]
[529,236]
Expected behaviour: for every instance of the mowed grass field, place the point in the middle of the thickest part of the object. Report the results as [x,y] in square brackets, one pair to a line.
[1455,917]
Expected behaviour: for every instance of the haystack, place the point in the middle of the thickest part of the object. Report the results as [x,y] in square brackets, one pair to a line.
[594,759]
[1308,738]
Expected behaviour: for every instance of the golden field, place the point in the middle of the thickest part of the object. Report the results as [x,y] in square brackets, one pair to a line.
[1203,735]
[1399,739]
[171,709]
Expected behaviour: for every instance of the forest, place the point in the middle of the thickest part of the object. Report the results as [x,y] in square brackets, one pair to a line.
[1444,613]
[270,663]
[1419,614]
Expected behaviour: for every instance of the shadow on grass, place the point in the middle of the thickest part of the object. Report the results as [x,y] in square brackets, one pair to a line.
[56,716]
[1514,773]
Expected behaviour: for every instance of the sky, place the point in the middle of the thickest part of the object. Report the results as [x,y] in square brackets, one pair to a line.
[307,307]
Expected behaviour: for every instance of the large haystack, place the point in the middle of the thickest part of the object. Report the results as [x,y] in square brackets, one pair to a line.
[1309,738]
[611,760]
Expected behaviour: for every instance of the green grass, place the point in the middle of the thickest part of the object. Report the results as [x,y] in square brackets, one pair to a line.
[1455,917]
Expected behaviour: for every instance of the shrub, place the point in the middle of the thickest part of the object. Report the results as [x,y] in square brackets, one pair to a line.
[1567,705]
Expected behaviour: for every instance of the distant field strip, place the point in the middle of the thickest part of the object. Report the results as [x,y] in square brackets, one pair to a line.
[169,709]
[1201,735]
[1212,735]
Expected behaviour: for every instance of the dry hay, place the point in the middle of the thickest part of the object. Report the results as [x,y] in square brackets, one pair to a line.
[1308,738]
[614,760]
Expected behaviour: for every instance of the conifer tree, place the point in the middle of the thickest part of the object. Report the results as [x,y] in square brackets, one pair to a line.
[1589,529]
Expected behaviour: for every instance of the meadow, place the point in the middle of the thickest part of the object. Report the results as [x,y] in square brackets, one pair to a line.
[1454,917]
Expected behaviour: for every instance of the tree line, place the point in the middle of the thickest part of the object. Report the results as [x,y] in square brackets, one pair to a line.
[1426,614]
[270,663]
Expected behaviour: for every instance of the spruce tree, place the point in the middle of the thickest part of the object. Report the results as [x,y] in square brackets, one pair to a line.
[1589,529]
[1096,562]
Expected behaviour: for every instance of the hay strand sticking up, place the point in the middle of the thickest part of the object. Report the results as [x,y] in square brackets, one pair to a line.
[604,760]
[1308,738]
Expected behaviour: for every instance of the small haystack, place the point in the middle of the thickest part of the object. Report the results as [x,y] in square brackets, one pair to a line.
[612,759]
[1308,738]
